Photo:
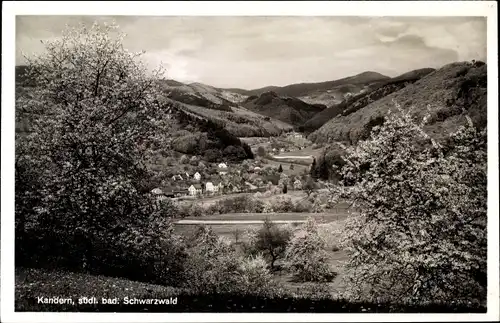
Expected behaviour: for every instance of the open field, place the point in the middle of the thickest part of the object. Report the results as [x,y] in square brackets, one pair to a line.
[307,151]
[298,169]
[227,224]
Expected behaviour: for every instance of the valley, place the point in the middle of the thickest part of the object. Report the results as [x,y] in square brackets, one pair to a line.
[338,190]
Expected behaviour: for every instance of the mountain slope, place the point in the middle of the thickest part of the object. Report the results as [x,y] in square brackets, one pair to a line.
[449,92]
[221,106]
[287,109]
[239,121]
[373,93]
[201,95]
[301,89]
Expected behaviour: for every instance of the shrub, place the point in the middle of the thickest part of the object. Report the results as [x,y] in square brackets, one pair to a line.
[184,159]
[310,186]
[302,206]
[213,155]
[214,267]
[261,151]
[282,204]
[421,234]
[306,257]
[239,204]
[191,209]
[194,160]
[255,277]
[273,178]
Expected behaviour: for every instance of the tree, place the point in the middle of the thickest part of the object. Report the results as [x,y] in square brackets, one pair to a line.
[261,151]
[312,170]
[270,240]
[306,257]
[184,159]
[234,153]
[213,155]
[421,233]
[94,114]
[285,188]
[291,166]
[280,169]
[310,186]
[297,185]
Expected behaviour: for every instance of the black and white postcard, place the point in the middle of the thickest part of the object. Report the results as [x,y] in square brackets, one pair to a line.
[249,161]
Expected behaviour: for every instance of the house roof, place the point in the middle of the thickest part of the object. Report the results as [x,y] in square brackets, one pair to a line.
[169,189]
[197,186]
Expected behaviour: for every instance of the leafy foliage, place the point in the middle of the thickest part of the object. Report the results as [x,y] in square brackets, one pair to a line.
[80,195]
[421,234]
[306,256]
[213,266]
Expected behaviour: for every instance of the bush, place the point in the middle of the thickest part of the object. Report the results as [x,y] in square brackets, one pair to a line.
[261,151]
[213,266]
[274,178]
[255,277]
[191,209]
[306,257]
[184,159]
[310,186]
[213,155]
[239,204]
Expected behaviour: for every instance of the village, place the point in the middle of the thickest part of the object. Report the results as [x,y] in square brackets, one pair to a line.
[280,164]
[230,181]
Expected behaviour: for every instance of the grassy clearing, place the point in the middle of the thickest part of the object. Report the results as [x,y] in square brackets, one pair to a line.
[298,169]
[298,298]
[32,283]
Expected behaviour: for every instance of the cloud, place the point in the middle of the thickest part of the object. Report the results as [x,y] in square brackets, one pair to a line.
[251,52]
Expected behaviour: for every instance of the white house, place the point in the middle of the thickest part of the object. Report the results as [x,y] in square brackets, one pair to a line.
[210,188]
[222,165]
[256,168]
[197,176]
[282,150]
[194,190]
[177,177]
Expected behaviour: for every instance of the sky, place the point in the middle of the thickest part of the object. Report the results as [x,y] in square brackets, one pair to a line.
[253,52]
